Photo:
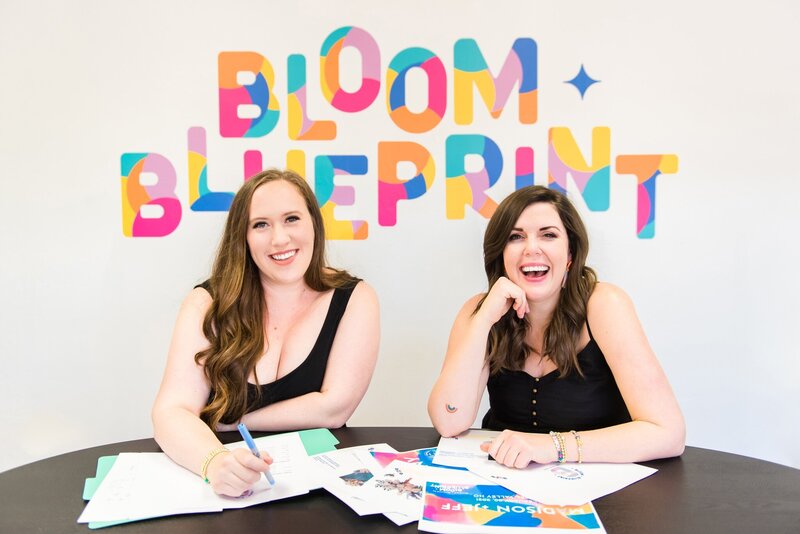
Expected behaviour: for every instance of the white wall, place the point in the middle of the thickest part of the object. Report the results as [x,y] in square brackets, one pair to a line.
[87,313]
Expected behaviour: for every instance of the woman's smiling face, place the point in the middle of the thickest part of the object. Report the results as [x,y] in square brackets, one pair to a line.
[280,233]
[537,252]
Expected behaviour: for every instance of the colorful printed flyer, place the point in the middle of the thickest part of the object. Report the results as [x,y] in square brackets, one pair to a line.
[456,508]
[343,472]
[417,465]
[418,456]
[396,489]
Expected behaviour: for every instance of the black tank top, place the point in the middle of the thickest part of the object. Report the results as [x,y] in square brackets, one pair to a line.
[523,403]
[308,376]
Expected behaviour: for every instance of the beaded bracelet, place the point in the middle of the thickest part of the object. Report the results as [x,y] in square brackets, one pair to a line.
[210,456]
[579,443]
[558,441]
[563,444]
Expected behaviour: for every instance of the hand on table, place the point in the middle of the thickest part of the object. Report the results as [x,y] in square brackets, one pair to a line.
[518,449]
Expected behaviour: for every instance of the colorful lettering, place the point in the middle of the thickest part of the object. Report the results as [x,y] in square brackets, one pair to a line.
[391,189]
[246,109]
[524,174]
[464,188]
[201,198]
[370,69]
[253,162]
[329,195]
[646,168]
[301,127]
[136,196]
[565,158]
[433,67]
[470,68]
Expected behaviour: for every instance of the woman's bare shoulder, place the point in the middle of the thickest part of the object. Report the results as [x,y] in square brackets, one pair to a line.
[607,295]
[198,300]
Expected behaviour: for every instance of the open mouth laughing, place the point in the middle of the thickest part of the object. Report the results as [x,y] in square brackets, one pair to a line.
[534,272]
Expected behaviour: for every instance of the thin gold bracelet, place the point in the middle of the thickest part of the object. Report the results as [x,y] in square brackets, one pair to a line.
[579,443]
[210,456]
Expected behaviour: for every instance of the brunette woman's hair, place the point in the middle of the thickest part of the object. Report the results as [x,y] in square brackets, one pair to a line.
[234,323]
[506,347]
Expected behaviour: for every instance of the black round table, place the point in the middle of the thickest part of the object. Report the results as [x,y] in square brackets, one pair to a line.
[703,491]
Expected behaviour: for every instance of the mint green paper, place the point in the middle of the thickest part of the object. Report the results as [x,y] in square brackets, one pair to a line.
[318,440]
[104,464]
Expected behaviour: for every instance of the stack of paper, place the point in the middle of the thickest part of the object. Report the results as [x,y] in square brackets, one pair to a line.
[376,479]
[145,485]
[409,486]
[450,488]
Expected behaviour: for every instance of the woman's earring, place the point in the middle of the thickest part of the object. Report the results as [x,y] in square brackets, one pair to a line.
[564,280]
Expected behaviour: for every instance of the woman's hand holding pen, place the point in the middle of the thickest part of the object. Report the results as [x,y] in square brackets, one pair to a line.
[236,471]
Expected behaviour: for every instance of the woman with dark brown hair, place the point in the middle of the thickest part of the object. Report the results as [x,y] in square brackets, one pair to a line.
[569,371]
[274,338]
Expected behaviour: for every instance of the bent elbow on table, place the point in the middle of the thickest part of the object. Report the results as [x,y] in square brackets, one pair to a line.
[669,442]
[335,410]
[338,418]
[170,421]
[159,417]
[448,424]
[449,431]
[677,444]
[674,428]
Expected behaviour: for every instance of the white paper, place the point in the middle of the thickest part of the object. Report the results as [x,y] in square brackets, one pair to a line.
[463,450]
[563,484]
[144,485]
[401,519]
[343,472]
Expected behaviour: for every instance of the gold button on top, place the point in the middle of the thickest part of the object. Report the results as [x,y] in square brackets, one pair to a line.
[537,379]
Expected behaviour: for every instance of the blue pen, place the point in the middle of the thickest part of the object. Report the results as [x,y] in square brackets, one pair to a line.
[252,445]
